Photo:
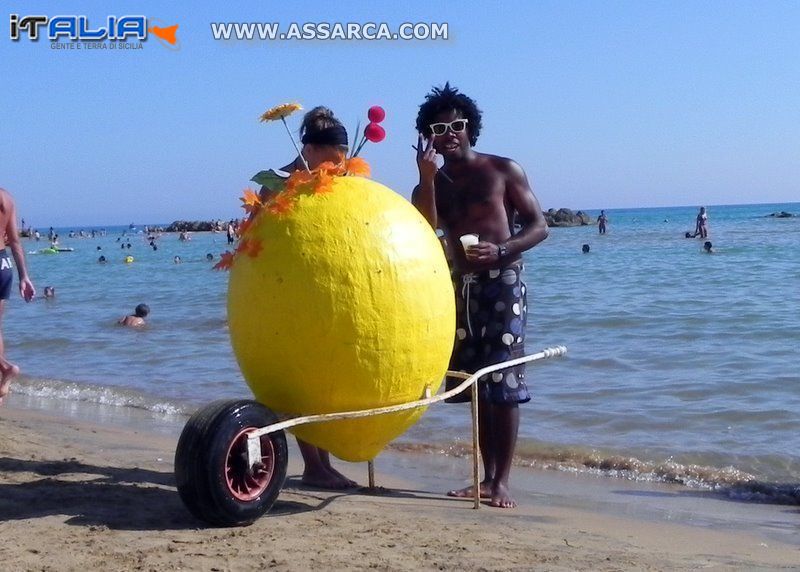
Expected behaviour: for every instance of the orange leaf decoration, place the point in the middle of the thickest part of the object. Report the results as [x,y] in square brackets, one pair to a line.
[226,261]
[256,246]
[244,224]
[330,168]
[297,180]
[358,167]
[251,201]
[250,197]
[319,181]
[281,203]
[243,246]
[324,183]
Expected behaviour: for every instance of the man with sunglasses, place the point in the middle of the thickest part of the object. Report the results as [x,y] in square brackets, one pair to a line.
[479,194]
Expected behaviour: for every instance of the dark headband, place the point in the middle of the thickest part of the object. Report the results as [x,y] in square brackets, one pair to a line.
[334,135]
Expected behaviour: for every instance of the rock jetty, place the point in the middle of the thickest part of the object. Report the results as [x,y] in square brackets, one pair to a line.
[193,226]
[566,217]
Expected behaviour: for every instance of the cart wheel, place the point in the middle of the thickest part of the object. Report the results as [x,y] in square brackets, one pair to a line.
[211,469]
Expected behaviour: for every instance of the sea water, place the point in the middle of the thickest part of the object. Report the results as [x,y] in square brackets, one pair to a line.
[682,365]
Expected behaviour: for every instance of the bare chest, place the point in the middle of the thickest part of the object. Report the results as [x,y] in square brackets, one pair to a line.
[469,195]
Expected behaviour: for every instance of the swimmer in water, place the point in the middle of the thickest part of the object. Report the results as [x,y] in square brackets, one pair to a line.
[136,320]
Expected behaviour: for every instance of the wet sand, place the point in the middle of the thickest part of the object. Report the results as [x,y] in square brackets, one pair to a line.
[78,495]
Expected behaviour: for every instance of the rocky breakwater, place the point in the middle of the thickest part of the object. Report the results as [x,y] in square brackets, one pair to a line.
[192,226]
[566,217]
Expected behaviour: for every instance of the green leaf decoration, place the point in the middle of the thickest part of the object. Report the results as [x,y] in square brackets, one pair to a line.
[271,179]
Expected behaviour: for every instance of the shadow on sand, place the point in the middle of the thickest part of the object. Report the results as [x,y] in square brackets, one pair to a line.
[133,498]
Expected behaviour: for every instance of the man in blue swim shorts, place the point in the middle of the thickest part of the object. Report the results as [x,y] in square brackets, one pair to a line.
[9,237]
[491,313]
[474,198]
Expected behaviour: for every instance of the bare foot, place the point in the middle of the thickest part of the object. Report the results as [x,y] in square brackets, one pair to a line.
[338,475]
[8,373]
[327,480]
[469,492]
[501,497]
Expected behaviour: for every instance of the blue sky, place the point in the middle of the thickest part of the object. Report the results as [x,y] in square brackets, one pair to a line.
[605,104]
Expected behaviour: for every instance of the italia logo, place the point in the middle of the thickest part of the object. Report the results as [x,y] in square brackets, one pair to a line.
[78,28]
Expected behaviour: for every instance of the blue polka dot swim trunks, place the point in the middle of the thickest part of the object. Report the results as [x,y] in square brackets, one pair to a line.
[491,312]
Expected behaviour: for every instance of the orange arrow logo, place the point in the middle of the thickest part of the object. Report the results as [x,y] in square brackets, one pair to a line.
[166,34]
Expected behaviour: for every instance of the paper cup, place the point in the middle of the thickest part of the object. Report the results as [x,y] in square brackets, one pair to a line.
[469,240]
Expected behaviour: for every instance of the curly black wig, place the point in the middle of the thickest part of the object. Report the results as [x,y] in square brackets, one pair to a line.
[445,99]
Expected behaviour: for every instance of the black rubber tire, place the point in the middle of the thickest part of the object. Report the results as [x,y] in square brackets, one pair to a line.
[202,460]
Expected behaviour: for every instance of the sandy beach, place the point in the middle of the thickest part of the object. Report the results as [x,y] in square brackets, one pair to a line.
[77,495]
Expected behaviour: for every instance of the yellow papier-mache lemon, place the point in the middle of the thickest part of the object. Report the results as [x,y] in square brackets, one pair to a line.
[346,305]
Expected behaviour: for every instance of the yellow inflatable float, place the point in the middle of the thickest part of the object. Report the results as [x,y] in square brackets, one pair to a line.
[340,299]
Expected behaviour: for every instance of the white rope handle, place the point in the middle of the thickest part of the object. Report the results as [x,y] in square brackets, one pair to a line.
[469,379]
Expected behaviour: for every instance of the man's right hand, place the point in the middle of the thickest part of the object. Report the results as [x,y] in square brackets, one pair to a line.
[426,159]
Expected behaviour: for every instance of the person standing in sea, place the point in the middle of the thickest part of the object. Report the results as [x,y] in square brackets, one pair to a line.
[9,239]
[324,138]
[601,222]
[477,193]
[701,228]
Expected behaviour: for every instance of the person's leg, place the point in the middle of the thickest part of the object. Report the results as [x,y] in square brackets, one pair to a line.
[505,425]
[465,348]
[318,471]
[325,459]
[510,390]
[8,371]
[485,441]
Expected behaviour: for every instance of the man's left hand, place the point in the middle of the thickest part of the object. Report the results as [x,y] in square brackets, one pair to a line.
[483,252]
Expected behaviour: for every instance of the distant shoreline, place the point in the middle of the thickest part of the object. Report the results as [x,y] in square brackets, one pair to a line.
[795,206]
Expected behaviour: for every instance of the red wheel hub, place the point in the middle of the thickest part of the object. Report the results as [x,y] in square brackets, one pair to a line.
[247,483]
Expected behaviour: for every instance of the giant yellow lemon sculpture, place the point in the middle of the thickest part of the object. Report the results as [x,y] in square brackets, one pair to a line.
[342,301]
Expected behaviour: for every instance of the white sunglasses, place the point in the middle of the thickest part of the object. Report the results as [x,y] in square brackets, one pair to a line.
[456,126]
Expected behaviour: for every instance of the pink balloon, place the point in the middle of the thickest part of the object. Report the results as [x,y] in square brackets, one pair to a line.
[376,114]
[375,133]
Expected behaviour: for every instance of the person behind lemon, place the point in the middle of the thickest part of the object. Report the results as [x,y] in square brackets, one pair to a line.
[324,138]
